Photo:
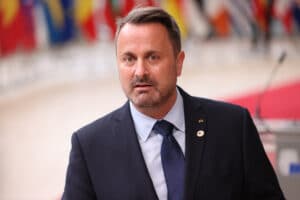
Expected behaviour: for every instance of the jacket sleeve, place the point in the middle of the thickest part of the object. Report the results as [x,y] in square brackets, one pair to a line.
[78,183]
[260,179]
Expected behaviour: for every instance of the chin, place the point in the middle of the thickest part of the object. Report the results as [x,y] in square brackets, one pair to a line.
[144,102]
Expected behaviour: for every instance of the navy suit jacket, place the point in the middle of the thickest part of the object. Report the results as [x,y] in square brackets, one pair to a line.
[227,163]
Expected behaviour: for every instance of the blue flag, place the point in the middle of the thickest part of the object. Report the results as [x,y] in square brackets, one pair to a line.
[60,20]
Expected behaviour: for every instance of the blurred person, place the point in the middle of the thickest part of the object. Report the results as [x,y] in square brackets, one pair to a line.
[163,143]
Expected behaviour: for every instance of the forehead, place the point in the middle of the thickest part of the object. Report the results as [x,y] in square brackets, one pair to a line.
[146,33]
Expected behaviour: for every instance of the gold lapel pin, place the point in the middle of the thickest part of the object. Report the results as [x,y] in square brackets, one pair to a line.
[200,133]
[200,120]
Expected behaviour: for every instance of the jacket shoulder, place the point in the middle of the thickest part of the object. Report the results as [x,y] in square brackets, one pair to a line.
[217,106]
[103,125]
[221,105]
[210,105]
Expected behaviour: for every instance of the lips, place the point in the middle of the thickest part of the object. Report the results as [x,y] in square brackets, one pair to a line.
[143,85]
[142,88]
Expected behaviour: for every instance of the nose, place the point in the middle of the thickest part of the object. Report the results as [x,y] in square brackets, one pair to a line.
[141,69]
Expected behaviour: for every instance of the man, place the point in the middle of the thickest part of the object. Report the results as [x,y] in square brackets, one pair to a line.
[164,144]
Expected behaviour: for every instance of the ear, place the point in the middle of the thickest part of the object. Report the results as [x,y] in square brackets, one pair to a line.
[179,62]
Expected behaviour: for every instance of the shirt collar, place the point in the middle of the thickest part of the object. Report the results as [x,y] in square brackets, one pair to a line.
[144,124]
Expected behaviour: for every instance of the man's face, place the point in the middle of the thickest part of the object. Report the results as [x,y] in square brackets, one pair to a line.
[148,68]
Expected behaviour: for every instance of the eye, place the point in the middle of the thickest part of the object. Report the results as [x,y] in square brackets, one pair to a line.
[153,58]
[128,60]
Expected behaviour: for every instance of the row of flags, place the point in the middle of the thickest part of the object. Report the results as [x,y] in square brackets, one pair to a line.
[287,12]
[241,16]
[16,26]
[66,20]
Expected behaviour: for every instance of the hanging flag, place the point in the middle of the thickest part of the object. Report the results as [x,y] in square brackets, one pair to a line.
[221,22]
[1,29]
[261,10]
[151,2]
[286,17]
[240,15]
[287,20]
[85,18]
[16,26]
[127,6]
[60,20]
[28,38]
[259,13]
[110,17]
[120,8]
[11,30]
[176,9]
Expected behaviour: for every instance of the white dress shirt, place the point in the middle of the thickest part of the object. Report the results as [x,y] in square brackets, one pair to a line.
[150,142]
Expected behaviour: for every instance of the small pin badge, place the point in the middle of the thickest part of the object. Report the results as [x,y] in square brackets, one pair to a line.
[200,120]
[200,133]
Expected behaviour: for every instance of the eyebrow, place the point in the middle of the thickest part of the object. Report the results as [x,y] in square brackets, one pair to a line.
[128,54]
[151,52]
[148,53]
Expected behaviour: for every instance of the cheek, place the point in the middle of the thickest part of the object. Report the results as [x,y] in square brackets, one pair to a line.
[124,76]
[169,73]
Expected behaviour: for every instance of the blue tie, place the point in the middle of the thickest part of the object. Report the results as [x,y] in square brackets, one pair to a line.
[172,160]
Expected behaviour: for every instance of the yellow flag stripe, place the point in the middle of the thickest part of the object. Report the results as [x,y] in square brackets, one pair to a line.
[173,9]
[9,10]
[56,12]
[83,10]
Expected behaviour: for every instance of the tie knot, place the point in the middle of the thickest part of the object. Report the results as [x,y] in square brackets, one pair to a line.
[163,127]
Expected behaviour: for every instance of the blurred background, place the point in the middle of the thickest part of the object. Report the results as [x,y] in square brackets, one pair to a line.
[58,73]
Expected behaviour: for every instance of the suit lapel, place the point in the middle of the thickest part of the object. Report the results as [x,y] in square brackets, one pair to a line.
[196,130]
[141,183]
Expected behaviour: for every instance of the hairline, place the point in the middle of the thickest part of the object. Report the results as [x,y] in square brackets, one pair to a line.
[173,35]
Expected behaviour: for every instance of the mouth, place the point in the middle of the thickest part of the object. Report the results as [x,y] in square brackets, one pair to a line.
[142,86]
